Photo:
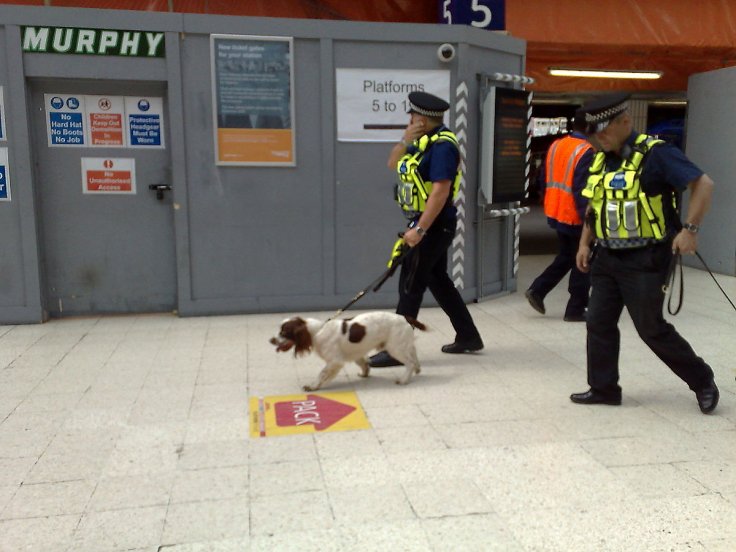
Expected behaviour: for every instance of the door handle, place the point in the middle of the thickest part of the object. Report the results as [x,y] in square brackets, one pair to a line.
[159,189]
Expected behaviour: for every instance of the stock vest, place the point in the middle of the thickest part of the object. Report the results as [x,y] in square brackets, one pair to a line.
[562,158]
[412,191]
[624,215]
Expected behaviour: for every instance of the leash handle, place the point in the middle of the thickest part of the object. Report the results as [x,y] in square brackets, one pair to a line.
[670,284]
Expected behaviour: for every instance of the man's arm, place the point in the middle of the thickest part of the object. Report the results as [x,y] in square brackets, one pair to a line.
[701,191]
[586,239]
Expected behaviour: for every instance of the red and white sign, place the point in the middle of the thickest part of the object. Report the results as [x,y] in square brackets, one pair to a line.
[105,118]
[102,175]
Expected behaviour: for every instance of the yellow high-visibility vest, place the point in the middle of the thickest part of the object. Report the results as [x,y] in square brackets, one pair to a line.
[412,191]
[622,210]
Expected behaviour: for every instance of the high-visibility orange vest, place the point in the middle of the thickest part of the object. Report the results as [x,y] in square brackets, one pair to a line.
[562,158]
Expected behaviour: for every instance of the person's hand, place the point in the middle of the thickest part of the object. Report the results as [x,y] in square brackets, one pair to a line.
[582,258]
[411,237]
[685,242]
[413,131]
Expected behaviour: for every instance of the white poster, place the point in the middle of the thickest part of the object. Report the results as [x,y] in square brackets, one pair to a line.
[103,175]
[65,120]
[4,175]
[144,122]
[2,116]
[372,104]
[105,121]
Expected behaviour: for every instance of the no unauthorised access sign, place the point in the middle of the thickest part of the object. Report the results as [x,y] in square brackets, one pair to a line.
[306,413]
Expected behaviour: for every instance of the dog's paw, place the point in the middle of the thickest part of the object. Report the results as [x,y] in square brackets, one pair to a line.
[308,388]
[364,373]
[401,381]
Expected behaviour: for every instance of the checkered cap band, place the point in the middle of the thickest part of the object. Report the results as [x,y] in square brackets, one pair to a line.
[426,112]
[606,114]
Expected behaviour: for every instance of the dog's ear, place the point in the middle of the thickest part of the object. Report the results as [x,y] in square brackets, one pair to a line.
[302,339]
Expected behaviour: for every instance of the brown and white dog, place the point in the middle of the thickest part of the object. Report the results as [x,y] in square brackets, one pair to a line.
[342,341]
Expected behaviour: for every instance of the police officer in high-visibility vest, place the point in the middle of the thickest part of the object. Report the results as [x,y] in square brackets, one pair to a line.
[427,160]
[565,172]
[633,189]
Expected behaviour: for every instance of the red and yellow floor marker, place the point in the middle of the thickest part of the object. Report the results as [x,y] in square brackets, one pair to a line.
[306,413]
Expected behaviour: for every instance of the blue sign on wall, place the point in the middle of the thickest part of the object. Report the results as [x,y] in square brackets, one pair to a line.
[145,130]
[3,184]
[66,128]
[484,14]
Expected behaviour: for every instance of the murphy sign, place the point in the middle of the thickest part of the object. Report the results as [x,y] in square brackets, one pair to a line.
[102,42]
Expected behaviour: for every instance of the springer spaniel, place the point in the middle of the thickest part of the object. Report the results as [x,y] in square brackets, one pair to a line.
[341,341]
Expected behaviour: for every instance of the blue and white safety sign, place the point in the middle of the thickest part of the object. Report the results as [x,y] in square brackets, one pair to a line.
[2,115]
[65,120]
[4,175]
[145,122]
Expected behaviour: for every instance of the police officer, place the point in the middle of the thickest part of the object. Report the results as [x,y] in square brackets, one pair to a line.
[633,187]
[427,160]
[565,173]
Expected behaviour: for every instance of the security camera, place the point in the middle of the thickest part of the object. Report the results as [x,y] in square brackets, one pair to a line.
[446,52]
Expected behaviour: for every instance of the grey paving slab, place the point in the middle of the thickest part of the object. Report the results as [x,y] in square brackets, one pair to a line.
[132,433]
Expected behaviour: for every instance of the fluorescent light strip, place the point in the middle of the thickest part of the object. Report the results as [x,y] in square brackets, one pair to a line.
[604,73]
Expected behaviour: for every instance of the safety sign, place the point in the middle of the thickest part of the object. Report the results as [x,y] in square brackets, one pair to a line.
[307,413]
[104,121]
[102,175]
[4,175]
[2,115]
[105,115]
[145,122]
[65,121]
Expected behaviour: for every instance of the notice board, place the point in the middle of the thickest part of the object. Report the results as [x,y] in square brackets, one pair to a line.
[252,87]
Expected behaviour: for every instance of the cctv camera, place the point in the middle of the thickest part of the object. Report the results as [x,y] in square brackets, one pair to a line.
[446,52]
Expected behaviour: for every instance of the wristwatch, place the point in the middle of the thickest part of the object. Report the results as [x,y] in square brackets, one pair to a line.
[420,230]
[692,228]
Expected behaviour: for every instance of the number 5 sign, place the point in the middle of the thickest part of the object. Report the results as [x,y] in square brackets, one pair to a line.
[484,14]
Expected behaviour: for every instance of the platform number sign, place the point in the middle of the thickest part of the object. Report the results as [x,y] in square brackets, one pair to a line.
[484,14]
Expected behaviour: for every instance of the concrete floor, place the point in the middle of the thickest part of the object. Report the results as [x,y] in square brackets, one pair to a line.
[131,433]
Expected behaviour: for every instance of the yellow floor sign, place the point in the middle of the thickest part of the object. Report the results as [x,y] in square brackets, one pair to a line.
[306,413]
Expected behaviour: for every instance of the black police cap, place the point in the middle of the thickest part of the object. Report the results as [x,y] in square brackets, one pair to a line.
[601,110]
[427,104]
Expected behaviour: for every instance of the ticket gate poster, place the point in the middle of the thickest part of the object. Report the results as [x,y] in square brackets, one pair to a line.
[306,413]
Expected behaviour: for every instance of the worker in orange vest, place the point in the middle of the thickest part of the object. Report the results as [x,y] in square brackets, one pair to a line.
[565,175]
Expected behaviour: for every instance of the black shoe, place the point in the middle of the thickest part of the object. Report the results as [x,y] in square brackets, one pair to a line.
[383,360]
[708,397]
[463,346]
[535,301]
[575,317]
[595,397]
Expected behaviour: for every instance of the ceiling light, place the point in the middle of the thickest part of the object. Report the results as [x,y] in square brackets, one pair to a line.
[604,73]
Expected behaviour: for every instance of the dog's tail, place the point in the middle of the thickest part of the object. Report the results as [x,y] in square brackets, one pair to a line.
[414,323]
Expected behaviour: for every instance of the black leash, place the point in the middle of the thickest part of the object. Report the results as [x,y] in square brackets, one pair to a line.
[375,285]
[672,276]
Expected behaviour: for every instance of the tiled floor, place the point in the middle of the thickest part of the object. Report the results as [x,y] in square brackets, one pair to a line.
[131,433]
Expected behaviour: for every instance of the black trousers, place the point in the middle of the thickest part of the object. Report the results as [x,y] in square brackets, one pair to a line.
[564,262]
[634,278]
[425,266]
